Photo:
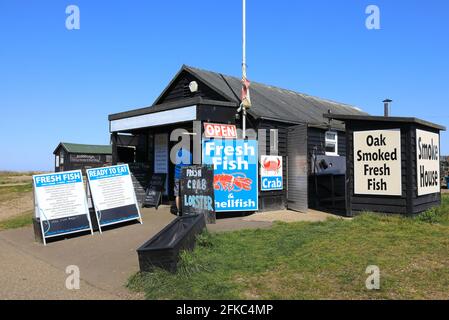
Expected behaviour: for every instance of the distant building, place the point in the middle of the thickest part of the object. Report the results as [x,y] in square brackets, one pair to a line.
[444,166]
[72,156]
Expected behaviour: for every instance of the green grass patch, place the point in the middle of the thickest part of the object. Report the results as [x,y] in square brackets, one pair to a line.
[17,222]
[19,188]
[439,215]
[325,260]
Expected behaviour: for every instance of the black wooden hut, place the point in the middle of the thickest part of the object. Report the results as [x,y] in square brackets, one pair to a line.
[416,192]
[74,156]
[294,129]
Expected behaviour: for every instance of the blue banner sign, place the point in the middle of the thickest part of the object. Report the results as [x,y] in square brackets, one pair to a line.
[236,173]
[54,179]
[108,172]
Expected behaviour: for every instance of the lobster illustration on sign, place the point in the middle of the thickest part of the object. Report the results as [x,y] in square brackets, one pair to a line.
[272,165]
[232,182]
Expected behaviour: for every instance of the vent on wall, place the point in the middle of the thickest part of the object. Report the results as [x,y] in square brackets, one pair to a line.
[190,89]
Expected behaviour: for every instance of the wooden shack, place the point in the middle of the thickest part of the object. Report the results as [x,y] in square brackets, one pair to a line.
[74,156]
[393,164]
[290,124]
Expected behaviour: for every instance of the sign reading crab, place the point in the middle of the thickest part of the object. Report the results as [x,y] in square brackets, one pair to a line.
[271,173]
[235,173]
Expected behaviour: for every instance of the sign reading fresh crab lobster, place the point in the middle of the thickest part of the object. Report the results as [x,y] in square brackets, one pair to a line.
[235,173]
[271,173]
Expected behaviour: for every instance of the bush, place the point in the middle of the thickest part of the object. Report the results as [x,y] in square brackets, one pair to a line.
[432,216]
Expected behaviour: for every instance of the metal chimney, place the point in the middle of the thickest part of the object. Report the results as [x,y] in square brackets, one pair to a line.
[387,107]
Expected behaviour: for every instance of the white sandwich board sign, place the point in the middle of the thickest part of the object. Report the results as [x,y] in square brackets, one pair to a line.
[61,203]
[113,195]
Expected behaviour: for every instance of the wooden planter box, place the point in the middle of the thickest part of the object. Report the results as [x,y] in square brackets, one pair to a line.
[163,250]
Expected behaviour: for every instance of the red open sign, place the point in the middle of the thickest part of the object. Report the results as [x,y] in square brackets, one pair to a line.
[217,130]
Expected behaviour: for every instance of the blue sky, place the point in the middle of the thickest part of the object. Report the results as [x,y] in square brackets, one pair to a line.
[60,85]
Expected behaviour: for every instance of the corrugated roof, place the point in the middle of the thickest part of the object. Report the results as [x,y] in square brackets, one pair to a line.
[273,102]
[268,102]
[85,148]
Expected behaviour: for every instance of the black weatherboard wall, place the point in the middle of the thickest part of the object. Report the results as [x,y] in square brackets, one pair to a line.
[409,202]
[74,156]
[216,100]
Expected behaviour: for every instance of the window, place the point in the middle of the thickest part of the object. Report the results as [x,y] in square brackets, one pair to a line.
[57,161]
[61,158]
[331,143]
[274,144]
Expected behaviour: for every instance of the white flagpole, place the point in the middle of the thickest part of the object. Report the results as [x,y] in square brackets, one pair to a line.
[244,67]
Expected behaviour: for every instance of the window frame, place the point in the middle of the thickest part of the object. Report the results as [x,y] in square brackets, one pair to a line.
[328,141]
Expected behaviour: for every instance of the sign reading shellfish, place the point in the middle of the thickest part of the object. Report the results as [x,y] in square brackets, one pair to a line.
[235,165]
[271,173]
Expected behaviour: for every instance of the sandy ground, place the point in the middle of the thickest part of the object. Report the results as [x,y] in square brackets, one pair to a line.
[12,205]
[33,271]
[291,216]
[16,206]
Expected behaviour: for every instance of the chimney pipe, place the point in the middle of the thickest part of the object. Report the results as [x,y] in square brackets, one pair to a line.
[387,107]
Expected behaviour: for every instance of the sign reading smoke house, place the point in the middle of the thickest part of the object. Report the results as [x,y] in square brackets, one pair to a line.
[61,204]
[235,165]
[113,195]
[271,173]
[377,162]
[428,162]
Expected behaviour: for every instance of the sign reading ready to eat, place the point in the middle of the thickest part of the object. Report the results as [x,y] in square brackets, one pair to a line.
[377,162]
[113,195]
[427,162]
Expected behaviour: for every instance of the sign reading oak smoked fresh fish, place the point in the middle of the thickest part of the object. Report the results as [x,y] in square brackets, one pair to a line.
[235,165]
[271,173]
[377,162]
[427,162]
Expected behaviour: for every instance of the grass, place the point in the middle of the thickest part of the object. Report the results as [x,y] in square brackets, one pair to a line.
[17,222]
[325,260]
[16,189]
[12,177]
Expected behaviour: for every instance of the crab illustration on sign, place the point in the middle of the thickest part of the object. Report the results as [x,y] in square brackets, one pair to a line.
[272,165]
[271,173]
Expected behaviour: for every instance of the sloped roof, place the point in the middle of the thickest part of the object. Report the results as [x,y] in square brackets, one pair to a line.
[85,148]
[268,102]
[272,102]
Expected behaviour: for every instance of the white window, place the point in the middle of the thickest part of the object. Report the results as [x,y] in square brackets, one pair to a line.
[61,158]
[274,142]
[57,161]
[331,143]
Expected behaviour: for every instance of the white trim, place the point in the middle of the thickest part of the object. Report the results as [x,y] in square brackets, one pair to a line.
[154,119]
[334,141]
